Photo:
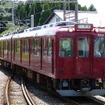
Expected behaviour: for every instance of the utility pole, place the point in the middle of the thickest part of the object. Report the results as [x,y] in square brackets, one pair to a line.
[64,10]
[68,4]
[76,10]
[13,23]
[32,20]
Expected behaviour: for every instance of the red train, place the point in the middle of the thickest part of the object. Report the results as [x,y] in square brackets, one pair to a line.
[66,57]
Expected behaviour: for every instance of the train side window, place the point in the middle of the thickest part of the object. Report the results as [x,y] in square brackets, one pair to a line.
[5,47]
[49,49]
[44,46]
[25,46]
[36,46]
[99,47]
[17,48]
[83,47]
[9,45]
[1,45]
[66,47]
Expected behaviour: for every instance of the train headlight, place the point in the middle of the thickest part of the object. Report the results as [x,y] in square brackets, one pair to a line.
[70,30]
[97,30]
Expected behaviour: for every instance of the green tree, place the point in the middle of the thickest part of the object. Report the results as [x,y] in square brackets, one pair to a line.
[84,8]
[32,10]
[27,10]
[92,8]
[20,11]
[38,10]
[45,13]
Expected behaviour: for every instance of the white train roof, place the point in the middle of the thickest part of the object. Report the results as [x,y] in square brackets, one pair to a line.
[47,29]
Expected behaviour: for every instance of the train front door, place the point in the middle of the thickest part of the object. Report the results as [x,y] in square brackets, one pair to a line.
[83,56]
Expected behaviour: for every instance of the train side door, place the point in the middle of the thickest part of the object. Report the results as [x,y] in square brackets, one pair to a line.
[99,57]
[83,56]
[66,59]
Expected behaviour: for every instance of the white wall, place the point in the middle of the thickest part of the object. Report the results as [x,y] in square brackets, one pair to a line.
[54,19]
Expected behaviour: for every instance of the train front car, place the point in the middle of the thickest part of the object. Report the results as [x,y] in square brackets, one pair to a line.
[80,60]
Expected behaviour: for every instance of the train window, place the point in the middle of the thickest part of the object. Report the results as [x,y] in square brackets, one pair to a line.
[26,46]
[43,46]
[17,46]
[49,49]
[5,47]
[36,46]
[99,47]
[9,45]
[65,47]
[1,44]
[83,47]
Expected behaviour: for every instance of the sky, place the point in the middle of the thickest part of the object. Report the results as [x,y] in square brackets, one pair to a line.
[98,4]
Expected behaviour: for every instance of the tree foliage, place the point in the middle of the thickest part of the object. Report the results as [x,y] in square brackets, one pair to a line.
[92,8]
[41,11]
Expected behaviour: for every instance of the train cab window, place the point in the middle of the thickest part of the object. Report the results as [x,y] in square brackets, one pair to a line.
[83,47]
[66,47]
[99,47]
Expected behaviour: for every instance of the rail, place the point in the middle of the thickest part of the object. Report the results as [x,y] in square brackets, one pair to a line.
[26,94]
[7,90]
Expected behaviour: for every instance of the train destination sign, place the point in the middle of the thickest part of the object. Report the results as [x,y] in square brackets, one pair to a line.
[84,26]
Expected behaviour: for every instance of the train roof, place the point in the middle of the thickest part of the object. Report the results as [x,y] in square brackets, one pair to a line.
[39,30]
[48,29]
[6,37]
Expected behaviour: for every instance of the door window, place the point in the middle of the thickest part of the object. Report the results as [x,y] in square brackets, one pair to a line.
[83,47]
[99,47]
[66,47]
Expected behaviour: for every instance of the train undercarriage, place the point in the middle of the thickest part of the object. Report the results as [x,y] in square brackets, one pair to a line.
[65,87]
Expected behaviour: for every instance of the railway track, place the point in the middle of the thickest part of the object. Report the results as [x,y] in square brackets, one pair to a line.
[98,99]
[85,100]
[14,95]
[3,79]
[73,100]
[7,90]
[42,97]
[13,92]
[27,96]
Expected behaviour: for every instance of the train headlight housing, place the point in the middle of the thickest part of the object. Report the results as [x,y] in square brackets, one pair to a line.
[70,30]
[97,30]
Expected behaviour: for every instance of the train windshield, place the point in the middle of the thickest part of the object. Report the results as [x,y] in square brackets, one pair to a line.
[66,47]
[83,47]
[99,47]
